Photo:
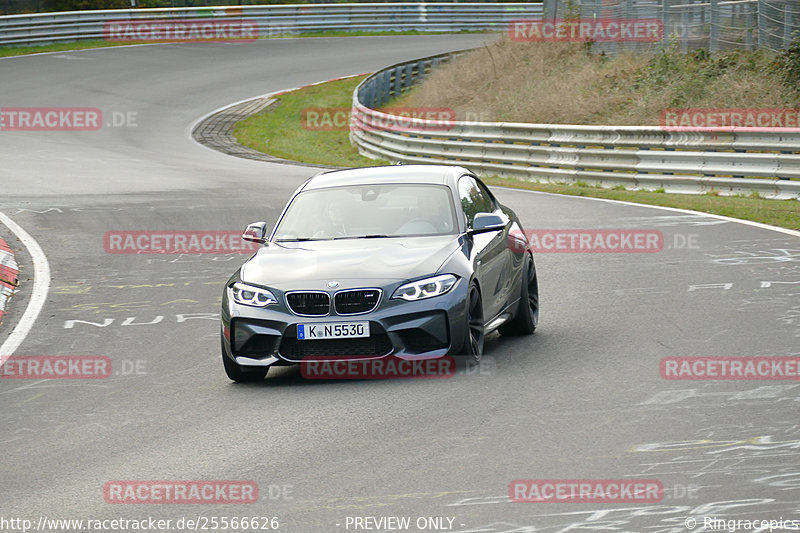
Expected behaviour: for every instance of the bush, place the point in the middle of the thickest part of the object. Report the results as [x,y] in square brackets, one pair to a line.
[77,5]
[789,64]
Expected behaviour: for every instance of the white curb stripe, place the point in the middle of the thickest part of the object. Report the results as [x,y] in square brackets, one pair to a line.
[9,272]
[41,287]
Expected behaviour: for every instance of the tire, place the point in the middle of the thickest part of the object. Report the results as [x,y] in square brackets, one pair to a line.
[527,316]
[475,331]
[239,373]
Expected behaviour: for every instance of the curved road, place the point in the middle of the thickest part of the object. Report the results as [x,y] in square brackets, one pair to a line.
[582,399]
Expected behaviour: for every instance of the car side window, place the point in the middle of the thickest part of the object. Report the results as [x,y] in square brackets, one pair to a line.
[474,199]
[491,204]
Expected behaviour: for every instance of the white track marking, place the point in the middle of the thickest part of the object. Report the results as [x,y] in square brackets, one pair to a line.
[675,209]
[41,287]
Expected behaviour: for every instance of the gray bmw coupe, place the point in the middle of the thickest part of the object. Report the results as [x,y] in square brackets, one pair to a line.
[412,262]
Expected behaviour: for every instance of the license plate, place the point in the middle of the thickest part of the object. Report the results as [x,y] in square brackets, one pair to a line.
[336,330]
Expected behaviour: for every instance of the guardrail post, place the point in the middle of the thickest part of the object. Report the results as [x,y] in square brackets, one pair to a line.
[787,26]
[407,79]
[383,88]
[597,9]
[713,39]
[550,9]
[685,30]
[398,81]
[368,95]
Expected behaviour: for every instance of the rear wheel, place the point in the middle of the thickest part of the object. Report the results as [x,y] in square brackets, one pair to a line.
[240,373]
[527,317]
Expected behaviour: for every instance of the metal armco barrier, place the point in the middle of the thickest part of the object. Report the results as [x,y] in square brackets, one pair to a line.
[647,157]
[273,20]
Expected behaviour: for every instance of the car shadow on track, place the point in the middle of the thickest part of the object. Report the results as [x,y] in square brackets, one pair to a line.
[501,355]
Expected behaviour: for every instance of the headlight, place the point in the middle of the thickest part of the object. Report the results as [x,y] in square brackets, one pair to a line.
[252,296]
[425,288]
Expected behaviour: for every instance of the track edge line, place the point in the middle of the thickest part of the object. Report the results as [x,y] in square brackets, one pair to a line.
[675,209]
[41,288]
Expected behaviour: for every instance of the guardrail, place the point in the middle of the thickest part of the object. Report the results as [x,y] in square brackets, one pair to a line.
[273,20]
[730,162]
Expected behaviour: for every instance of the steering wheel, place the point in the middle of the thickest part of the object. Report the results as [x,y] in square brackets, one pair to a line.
[418,221]
[323,234]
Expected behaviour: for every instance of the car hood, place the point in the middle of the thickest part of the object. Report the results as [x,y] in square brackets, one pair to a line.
[311,265]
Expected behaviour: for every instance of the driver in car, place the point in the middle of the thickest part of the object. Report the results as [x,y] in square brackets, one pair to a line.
[333,222]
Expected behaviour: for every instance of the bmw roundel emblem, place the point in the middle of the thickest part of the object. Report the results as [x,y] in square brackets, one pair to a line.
[333,284]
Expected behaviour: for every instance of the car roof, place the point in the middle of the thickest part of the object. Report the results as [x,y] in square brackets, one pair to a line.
[429,174]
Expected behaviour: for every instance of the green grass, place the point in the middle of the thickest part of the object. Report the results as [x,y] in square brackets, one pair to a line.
[783,213]
[9,51]
[279,132]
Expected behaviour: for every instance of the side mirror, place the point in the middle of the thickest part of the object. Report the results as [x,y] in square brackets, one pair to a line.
[256,232]
[486,222]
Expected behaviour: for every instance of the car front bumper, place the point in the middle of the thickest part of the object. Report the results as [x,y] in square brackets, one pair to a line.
[263,337]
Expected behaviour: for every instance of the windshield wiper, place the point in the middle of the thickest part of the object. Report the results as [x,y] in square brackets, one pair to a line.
[306,239]
[376,236]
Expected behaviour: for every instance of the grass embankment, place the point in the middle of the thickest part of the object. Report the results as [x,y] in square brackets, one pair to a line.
[285,131]
[279,131]
[9,51]
[563,83]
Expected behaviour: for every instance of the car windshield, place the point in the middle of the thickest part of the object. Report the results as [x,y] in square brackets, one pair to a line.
[368,211]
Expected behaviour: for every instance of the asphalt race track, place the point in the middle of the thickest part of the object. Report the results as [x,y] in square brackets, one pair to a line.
[581,399]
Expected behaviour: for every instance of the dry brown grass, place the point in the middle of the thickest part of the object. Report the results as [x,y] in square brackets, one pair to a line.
[563,83]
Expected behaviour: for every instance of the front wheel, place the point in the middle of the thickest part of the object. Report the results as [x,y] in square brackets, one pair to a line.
[236,372]
[475,331]
[527,317]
